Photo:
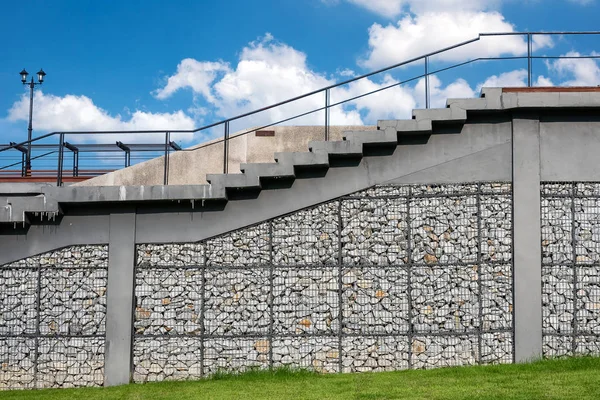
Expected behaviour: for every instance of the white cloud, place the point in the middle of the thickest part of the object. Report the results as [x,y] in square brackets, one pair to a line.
[387,8]
[267,72]
[582,2]
[578,72]
[191,73]
[348,73]
[79,113]
[544,81]
[395,102]
[438,94]
[420,34]
[516,78]
[393,8]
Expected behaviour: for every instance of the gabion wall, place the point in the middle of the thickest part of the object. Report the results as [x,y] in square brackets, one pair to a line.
[52,316]
[571,268]
[391,278]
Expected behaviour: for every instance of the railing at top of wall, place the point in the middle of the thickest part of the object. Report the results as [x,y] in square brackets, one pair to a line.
[327,105]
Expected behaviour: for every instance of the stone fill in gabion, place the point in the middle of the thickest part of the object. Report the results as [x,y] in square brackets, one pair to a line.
[587,345]
[374,231]
[557,221]
[307,237]
[570,276]
[170,255]
[444,351]
[17,357]
[320,354]
[18,296]
[444,229]
[162,358]
[496,348]
[375,300]
[69,257]
[557,345]
[306,301]
[496,187]
[496,228]
[445,299]
[373,354]
[557,189]
[389,278]
[384,191]
[235,354]
[587,230]
[71,284]
[445,190]
[557,299]
[169,301]
[587,189]
[71,362]
[496,297]
[243,248]
[237,302]
[73,301]
[588,300]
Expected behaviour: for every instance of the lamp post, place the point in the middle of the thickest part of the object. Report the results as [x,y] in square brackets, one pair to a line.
[41,74]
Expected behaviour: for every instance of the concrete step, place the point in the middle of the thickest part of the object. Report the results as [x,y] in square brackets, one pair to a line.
[467,104]
[305,160]
[233,181]
[406,126]
[268,170]
[340,149]
[441,115]
[386,137]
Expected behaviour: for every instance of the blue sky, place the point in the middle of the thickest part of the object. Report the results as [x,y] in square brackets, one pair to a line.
[181,64]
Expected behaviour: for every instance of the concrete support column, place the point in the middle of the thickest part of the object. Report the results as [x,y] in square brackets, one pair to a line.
[527,241]
[119,303]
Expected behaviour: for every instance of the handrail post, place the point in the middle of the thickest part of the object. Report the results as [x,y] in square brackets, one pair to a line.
[529,61]
[74,163]
[327,115]
[426,82]
[166,171]
[226,148]
[61,151]
[76,169]
[23,163]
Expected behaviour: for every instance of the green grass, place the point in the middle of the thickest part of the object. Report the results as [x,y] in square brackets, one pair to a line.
[575,378]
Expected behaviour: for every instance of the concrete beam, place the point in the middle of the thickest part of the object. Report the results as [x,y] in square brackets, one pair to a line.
[68,230]
[119,302]
[527,252]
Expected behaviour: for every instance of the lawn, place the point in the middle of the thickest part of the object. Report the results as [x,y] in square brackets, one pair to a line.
[576,378]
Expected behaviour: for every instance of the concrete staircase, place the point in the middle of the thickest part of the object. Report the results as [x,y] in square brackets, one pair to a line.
[20,206]
[323,155]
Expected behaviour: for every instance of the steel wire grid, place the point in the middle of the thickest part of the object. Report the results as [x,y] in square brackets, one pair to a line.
[336,287]
[53,310]
[571,267]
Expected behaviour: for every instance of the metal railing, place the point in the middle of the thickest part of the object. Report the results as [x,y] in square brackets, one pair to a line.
[328,105]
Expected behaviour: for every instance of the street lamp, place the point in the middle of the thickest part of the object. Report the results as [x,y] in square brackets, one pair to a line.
[41,74]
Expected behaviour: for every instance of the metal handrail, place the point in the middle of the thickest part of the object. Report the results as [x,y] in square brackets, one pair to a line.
[530,57]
